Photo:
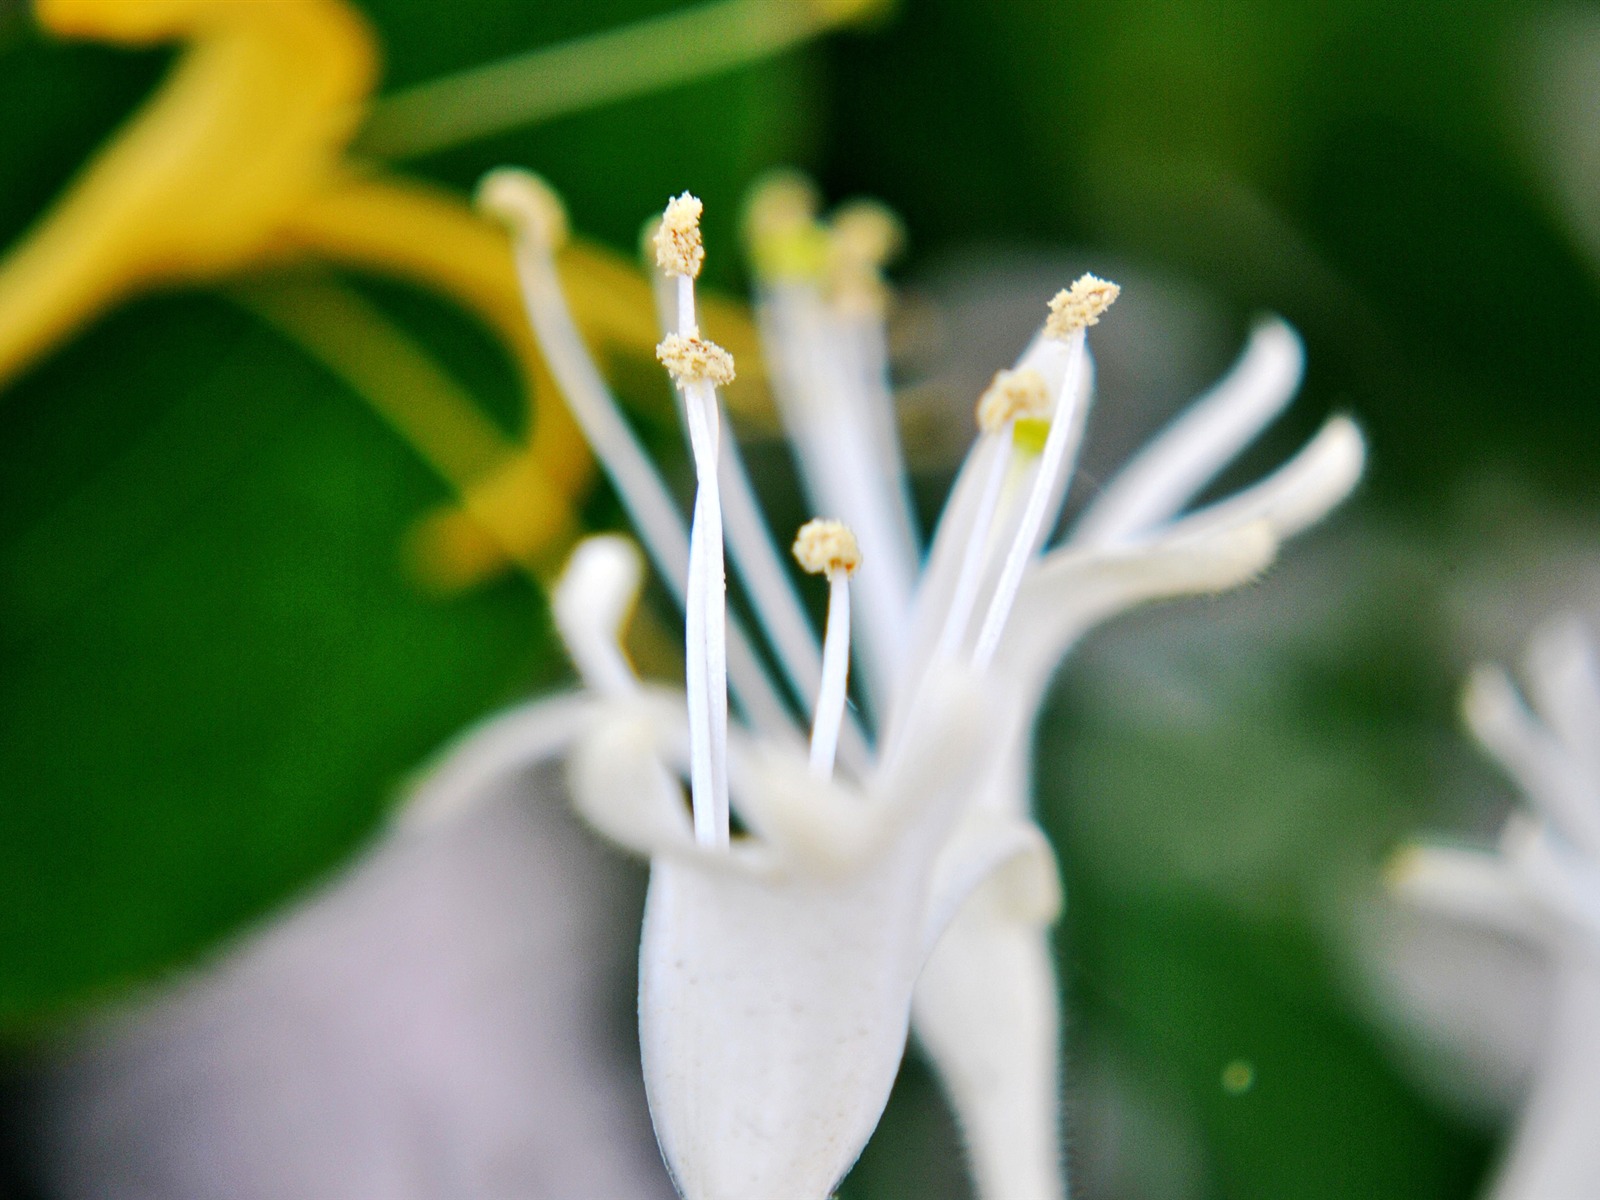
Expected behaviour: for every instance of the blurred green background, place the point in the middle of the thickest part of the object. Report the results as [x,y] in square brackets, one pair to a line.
[215,670]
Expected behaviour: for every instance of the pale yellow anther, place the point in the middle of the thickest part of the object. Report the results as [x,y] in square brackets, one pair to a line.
[525,203]
[1079,306]
[823,547]
[864,235]
[693,359]
[780,203]
[867,232]
[679,250]
[781,229]
[1403,866]
[1014,395]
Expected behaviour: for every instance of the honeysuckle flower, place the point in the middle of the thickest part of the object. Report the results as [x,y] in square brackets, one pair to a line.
[895,867]
[241,161]
[1540,889]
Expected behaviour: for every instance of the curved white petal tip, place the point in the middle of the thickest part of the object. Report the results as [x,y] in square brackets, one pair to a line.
[1325,472]
[1490,704]
[591,603]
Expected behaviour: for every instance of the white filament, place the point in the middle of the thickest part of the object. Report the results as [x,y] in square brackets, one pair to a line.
[706,615]
[975,554]
[868,341]
[650,505]
[773,598]
[1060,443]
[835,675]
[826,410]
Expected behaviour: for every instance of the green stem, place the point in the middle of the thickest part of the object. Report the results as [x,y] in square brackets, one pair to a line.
[387,369]
[588,71]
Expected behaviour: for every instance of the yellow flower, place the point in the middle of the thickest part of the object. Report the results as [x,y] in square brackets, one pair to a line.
[240,161]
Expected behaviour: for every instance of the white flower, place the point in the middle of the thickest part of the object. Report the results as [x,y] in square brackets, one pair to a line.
[780,968]
[1540,889]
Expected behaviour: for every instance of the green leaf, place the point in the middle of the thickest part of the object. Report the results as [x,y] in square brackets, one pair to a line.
[215,670]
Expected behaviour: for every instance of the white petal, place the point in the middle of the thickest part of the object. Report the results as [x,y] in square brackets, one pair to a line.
[1205,438]
[1074,589]
[985,1011]
[1564,672]
[1008,856]
[1555,1152]
[1474,887]
[1467,975]
[946,758]
[1532,756]
[480,760]
[1298,494]
[811,825]
[798,822]
[591,603]
[773,1010]
[621,787]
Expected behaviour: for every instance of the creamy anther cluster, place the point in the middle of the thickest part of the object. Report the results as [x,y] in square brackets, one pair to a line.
[888,872]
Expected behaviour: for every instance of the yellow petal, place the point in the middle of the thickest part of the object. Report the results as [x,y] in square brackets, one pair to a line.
[242,132]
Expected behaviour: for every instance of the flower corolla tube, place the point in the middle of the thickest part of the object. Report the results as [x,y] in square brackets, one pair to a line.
[1539,889]
[819,890]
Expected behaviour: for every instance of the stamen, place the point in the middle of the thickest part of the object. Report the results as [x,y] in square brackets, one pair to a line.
[829,548]
[829,374]
[705,626]
[867,232]
[865,237]
[781,230]
[694,359]
[643,493]
[1014,395]
[826,548]
[756,557]
[697,366]
[1076,308]
[1017,399]
[525,203]
[1071,312]
[679,248]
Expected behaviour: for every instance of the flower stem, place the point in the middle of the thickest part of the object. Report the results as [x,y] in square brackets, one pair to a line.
[574,75]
